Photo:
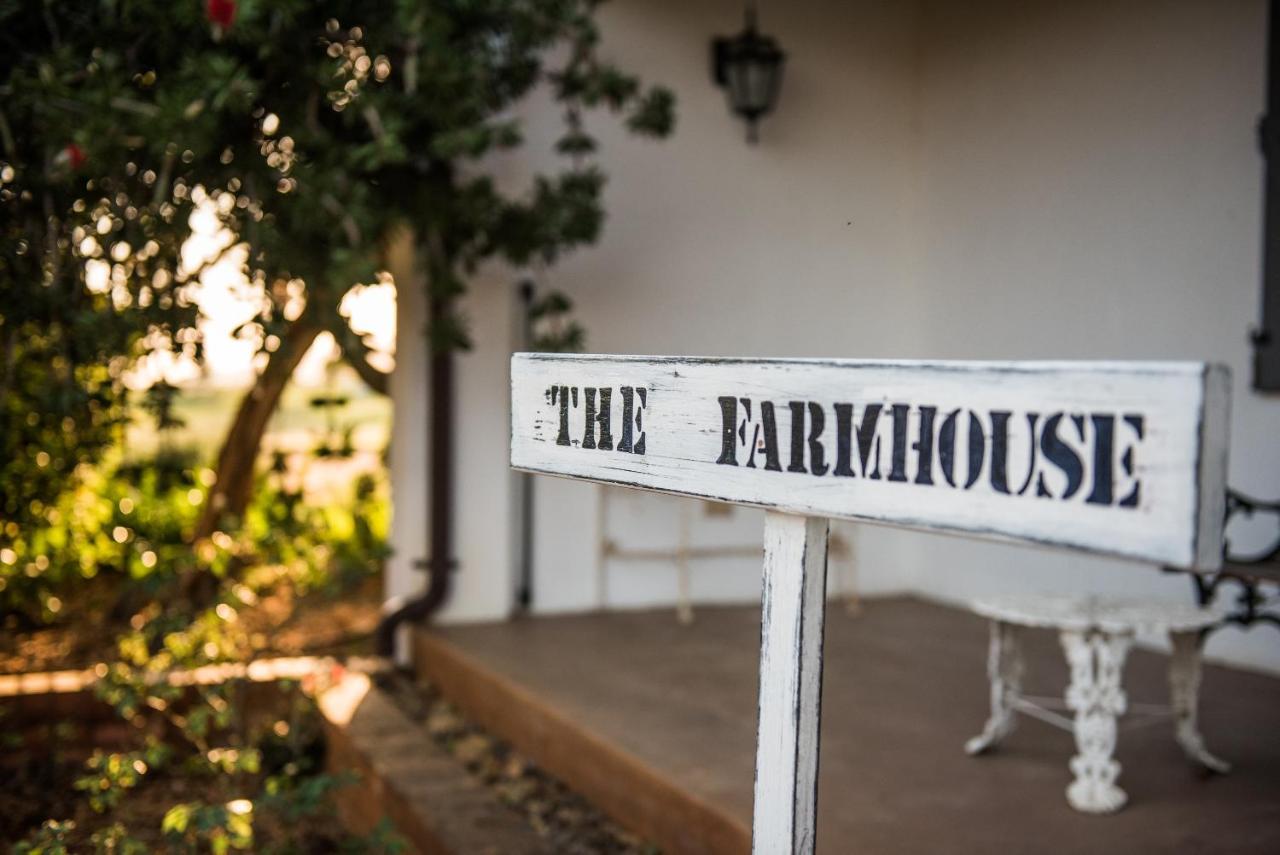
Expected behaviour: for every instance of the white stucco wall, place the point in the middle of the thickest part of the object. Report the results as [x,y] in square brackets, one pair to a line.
[485,506]
[794,247]
[1088,186]
[990,179]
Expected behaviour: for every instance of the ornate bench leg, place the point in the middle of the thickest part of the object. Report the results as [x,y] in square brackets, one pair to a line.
[1096,696]
[1004,668]
[1184,697]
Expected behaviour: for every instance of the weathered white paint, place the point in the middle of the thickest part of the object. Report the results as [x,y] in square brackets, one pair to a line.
[793,601]
[677,415]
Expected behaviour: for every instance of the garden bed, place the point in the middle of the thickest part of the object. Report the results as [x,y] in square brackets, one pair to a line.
[395,764]
[84,779]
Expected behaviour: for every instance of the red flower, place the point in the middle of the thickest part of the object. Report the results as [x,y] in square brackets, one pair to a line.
[221,12]
[75,155]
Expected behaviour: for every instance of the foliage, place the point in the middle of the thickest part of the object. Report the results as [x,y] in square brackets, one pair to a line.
[110,776]
[118,520]
[313,129]
[128,520]
[265,772]
[261,775]
[90,272]
[131,521]
[51,839]
[554,329]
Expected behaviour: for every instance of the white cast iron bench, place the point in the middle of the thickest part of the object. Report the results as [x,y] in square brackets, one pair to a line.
[1096,634]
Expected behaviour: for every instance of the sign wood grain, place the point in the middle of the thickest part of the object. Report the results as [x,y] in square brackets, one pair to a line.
[1120,458]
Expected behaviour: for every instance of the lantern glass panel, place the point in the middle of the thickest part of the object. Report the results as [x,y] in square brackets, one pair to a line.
[753,85]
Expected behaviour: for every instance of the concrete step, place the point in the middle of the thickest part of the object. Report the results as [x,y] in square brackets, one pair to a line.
[406,777]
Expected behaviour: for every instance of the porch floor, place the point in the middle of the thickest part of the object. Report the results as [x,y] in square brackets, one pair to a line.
[904,687]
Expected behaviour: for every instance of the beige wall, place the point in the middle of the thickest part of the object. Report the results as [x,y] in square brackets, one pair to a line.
[989,179]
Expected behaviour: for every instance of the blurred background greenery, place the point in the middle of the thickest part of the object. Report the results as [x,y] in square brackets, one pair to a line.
[205,207]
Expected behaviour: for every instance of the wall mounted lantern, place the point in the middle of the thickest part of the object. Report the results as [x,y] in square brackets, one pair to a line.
[749,67]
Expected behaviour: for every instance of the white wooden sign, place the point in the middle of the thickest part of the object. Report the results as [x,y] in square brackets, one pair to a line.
[1120,458]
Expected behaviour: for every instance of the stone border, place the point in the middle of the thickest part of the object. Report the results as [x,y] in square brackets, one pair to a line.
[406,777]
[620,784]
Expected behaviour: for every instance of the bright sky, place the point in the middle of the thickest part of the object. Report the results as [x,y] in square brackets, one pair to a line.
[228,299]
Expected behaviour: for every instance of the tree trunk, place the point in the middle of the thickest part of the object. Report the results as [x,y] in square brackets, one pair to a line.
[355,352]
[229,496]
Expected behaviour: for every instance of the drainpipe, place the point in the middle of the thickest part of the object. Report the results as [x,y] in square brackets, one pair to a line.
[524,589]
[439,564]
[1266,337]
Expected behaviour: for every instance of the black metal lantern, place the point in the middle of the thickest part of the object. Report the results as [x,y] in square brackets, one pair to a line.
[749,67]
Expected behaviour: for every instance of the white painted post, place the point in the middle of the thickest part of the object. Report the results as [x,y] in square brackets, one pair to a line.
[793,601]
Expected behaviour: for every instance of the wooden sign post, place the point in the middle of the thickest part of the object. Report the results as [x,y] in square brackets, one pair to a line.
[1117,458]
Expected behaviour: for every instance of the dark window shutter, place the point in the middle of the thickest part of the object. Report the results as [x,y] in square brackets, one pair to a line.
[1266,338]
